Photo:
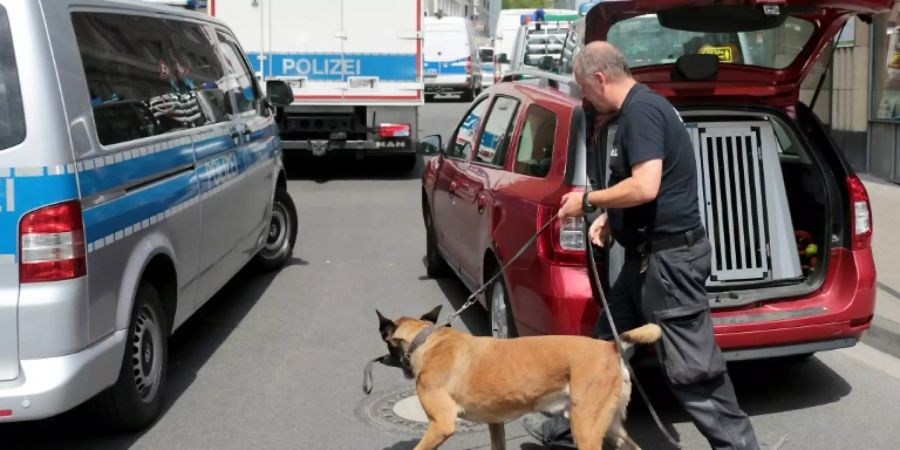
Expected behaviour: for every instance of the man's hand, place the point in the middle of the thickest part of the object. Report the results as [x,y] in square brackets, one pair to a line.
[570,206]
[600,231]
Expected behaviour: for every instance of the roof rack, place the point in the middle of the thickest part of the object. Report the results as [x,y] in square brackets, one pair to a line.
[545,78]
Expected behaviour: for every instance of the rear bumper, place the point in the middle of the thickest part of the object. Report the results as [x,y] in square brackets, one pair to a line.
[50,386]
[558,300]
[366,148]
[447,88]
[835,316]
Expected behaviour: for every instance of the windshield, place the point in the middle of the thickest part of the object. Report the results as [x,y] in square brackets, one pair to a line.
[645,42]
[12,120]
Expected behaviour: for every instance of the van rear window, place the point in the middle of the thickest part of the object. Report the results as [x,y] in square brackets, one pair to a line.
[12,117]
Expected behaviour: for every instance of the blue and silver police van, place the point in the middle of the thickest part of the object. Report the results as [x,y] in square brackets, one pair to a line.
[140,169]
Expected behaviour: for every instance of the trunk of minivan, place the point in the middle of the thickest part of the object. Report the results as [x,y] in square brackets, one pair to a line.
[768,199]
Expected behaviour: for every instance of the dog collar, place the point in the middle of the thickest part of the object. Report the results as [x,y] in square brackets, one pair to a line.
[420,339]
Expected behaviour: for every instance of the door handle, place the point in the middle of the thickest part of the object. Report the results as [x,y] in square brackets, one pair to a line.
[453,187]
[247,134]
[235,136]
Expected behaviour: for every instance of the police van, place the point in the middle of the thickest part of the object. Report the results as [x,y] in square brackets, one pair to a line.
[355,67]
[140,169]
[452,63]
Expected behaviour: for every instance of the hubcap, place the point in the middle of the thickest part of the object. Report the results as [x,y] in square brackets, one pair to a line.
[277,238]
[146,359]
[499,317]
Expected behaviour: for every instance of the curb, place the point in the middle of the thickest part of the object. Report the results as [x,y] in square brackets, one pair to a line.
[884,335]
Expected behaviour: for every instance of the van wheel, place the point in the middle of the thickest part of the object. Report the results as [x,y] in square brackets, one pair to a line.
[134,402]
[282,234]
[435,266]
[503,325]
[468,95]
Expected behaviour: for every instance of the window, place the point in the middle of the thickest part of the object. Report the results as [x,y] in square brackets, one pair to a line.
[148,76]
[497,130]
[12,117]
[536,143]
[646,42]
[886,65]
[239,85]
[461,144]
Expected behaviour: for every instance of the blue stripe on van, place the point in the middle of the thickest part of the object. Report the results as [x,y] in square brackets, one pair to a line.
[116,215]
[334,66]
[111,176]
[457,67]
[25,194]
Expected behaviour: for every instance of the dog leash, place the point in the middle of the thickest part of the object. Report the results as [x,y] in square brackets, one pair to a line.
[592,264]
[474,297]
[389,360]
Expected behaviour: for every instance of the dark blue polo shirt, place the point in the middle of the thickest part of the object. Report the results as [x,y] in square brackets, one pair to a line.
[650,128]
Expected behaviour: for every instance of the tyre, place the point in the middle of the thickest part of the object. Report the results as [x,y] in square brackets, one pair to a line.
[134,402]
[282,235]
[503,325]
[435,266]
[468,95]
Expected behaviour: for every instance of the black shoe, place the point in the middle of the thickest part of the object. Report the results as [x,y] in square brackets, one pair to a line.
[555,431]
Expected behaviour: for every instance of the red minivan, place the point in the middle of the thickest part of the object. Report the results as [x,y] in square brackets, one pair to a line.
[788,220]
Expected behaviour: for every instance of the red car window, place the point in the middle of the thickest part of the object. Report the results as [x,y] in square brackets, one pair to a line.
[535,152]
[497,131]
[464,137]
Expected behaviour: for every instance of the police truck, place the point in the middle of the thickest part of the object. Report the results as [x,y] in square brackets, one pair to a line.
[355,68]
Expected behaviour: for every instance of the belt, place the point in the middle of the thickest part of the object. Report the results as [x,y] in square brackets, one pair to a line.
[669,241]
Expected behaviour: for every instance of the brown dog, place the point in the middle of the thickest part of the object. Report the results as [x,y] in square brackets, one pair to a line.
[495,381]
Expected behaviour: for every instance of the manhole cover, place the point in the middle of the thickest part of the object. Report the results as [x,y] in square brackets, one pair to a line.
[399,410]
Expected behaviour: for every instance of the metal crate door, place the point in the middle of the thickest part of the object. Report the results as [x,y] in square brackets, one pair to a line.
[732,191]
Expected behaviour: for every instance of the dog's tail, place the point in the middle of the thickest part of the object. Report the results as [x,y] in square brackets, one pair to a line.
[646,334]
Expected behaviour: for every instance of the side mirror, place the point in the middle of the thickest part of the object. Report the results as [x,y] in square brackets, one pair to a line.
[279,93]
[503,59]
[430,145]
[547,63]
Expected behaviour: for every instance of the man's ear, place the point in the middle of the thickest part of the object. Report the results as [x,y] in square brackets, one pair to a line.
[600,77]
[385,325]
[432,316]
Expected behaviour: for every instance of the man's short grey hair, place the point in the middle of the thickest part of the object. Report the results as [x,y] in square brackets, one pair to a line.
[602,57]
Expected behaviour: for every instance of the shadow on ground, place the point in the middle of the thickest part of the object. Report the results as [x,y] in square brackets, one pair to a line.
[328,168]
[190,348]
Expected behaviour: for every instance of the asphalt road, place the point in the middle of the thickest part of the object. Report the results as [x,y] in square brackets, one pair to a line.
[275,361]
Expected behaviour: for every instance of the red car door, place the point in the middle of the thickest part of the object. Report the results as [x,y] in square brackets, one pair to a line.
[445,208]
[477,184]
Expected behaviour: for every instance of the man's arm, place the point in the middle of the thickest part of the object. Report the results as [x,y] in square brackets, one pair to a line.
[641,187]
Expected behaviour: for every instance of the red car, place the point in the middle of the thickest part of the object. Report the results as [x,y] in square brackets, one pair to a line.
[788,220]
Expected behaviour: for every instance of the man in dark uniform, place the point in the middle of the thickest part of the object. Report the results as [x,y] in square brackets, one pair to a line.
[653,212]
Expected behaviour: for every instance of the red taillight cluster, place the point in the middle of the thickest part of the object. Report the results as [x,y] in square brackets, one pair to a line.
[469,65]
[860,213]
[394,130]
[51,243]
[563,243]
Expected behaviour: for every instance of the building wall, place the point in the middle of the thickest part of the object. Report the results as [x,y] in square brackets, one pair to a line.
[850,96]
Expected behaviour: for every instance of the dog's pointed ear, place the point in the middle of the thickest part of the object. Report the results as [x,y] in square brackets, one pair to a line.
[387,326]
[432,316]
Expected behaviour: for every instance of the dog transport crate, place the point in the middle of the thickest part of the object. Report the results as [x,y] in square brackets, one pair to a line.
[743,203]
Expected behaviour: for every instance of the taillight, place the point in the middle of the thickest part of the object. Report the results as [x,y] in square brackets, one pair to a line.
[52,244]
[393,130]
[469,65]
[563,244]
[861,213]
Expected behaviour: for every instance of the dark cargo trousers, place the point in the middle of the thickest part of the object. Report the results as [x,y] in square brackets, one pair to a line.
[671,292]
